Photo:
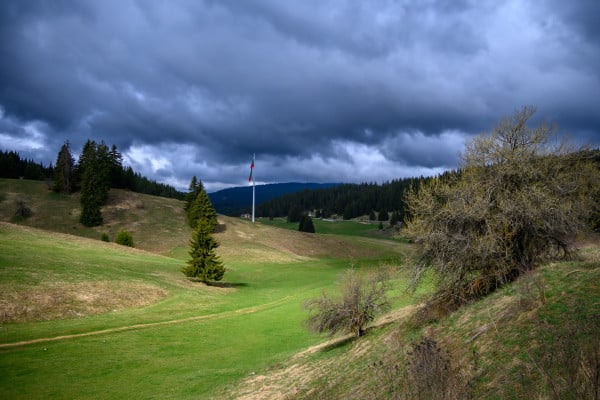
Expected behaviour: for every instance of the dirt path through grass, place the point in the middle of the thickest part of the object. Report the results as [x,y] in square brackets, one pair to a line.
[210,317]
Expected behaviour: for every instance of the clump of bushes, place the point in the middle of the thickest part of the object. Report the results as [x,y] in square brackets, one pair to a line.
[124,238]
[22,211]
[104,238]
[420,370]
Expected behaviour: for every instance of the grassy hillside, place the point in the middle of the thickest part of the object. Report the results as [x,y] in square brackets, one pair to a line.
[536,338]
[86,319]
[157,224]
[80,318]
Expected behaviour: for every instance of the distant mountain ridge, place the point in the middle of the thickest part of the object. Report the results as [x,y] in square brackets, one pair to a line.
[238,200]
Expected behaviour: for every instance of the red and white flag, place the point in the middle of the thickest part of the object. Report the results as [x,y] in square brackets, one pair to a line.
[251,169]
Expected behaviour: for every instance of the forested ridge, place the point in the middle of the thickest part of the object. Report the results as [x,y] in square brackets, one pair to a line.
[347,200]
[12,166]
[354,200]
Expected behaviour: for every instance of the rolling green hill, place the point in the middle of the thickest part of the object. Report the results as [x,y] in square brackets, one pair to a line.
[81,318]
[537,338]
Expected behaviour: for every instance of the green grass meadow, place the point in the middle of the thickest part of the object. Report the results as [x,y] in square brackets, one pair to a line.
[99,320]
[338,227]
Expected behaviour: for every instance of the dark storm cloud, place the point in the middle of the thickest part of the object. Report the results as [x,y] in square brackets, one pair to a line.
[318,89]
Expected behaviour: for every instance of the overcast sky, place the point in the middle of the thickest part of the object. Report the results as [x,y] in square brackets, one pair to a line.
[320,90]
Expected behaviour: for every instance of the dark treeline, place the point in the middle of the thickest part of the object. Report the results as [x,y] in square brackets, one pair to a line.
[140,184]
[355,200]
[12,166]
[347,200]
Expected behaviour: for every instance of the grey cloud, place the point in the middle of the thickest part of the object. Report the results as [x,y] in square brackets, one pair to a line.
[293,80]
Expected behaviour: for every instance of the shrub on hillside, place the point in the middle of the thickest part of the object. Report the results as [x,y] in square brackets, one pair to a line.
[420,370]
[363,297]
[104,237]
[22,211]
[124,238]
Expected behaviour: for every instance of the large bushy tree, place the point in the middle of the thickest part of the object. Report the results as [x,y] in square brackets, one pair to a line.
[204,263]
[518,200]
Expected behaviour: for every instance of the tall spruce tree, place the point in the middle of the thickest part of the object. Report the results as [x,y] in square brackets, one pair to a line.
[64,170]
[204,264]
[193,190]
[116,168]
[202,208]
[94,169]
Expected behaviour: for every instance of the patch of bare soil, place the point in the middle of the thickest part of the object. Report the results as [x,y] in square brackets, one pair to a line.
[68,300]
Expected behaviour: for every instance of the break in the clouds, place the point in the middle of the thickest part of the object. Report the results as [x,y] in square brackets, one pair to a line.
[321,91]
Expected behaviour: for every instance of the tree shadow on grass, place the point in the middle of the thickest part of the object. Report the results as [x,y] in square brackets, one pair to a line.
[220,228]
[219,284]
[228,284]
[337,343]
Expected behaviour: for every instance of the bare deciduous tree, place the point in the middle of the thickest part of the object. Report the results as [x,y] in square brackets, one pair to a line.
[519,196]
[362,298]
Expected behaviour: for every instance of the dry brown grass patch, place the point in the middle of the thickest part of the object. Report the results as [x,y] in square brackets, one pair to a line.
[260,243]
[69,300]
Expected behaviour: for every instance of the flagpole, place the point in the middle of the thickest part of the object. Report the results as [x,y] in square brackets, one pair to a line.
[253,190]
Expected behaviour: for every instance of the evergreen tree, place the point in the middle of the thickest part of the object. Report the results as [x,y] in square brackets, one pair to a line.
[202,208]
[351,210]
[294,214]
[94,170]
[204,264]
[193,190]
[394,218]
[64,171]
[372,216]
[103,170]
[383,216]
[306,224]
[116,168]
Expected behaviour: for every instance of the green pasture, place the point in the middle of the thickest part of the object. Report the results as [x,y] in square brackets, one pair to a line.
[193,342]
[336,227]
